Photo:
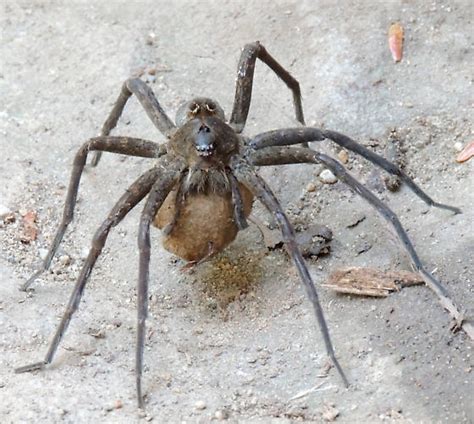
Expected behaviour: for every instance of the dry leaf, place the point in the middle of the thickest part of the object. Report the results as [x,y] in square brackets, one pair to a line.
[370,281]
[30,230]
[395,41]
[466,153]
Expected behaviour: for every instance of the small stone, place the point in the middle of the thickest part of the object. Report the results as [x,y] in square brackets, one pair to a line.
[327,177]
[221,415]
[84,252]
[151,39]
[200,405]
[43,253]
[343,156]
[64,260]
[311,187]
[457,146]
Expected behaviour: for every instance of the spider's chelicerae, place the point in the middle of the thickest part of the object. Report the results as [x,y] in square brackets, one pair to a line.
[204,177]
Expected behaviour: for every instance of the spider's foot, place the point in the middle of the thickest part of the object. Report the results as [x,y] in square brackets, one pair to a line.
[24,287]
[458,322]
[447,207]
[31,367]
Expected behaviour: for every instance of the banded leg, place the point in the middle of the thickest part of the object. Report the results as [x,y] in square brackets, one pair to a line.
[123,145]
[290,136]
[132,197]
[287,155]
[237,202]
[147,99]
[156,198]
[246,175]
[178,205]
[243,89]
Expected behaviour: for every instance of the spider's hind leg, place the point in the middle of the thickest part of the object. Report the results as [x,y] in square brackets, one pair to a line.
[289,155]
[246,175]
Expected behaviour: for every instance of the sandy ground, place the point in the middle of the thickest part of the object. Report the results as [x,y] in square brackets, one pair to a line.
[236,340]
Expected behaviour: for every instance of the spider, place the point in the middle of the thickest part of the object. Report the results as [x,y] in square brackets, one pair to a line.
[202,184]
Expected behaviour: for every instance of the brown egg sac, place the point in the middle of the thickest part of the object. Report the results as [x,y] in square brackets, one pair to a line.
[205,223]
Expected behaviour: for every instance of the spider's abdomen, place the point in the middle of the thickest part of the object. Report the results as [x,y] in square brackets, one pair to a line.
[205,224]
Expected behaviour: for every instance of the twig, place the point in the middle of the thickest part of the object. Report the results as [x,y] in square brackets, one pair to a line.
[311,390]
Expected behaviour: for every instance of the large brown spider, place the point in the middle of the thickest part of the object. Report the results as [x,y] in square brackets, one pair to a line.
[204,177]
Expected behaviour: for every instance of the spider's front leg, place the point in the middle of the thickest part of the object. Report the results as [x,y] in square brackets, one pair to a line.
[289,155]
[147,99]
[246,175]
[123,145]
[156,198]
[243,88]
[291,136]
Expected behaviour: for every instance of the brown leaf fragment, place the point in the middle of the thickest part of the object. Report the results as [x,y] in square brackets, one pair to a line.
[395,41]
[370,281]
[29,228]
[466,153]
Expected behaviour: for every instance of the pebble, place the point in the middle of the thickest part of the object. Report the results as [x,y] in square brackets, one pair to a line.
[64,260]
[200,405]
[221,415]
[84,252]
[311,187]
[343,156]
[327,177]
[43,253]
[457,146]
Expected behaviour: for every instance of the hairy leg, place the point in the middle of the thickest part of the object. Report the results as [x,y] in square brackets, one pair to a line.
[156,198]
[287,155]
[148,101]
[239,213]
[243,89]
[290,136]
[123,145]
[131,198]
[246,175]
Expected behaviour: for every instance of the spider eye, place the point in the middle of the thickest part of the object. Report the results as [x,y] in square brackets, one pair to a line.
[211,107]
[194,108]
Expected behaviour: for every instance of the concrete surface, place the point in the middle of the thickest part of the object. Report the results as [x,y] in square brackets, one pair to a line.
[236,340]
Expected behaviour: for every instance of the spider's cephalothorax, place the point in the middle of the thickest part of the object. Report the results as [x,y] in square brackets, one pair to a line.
[198,214]
[201,188]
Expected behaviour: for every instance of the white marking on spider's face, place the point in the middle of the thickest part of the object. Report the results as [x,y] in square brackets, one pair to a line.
[195,108]
[205,151]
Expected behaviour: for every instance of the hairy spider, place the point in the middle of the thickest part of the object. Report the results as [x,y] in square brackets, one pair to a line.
[204,177]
